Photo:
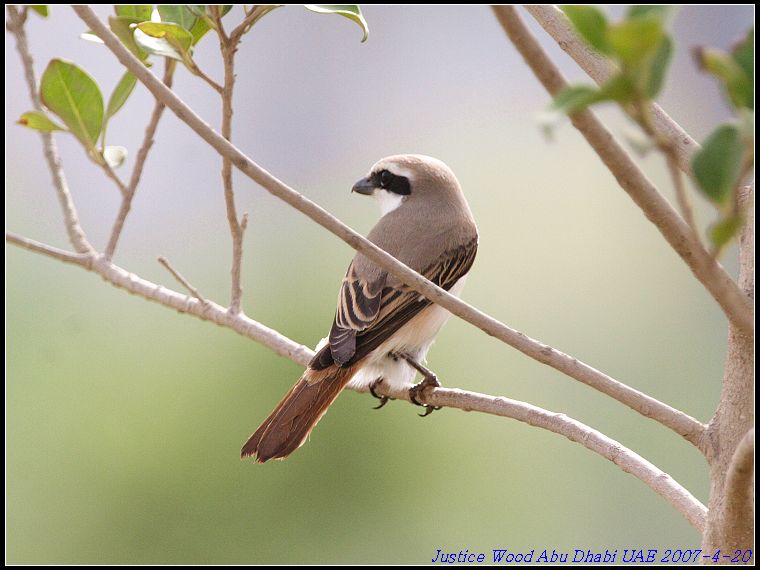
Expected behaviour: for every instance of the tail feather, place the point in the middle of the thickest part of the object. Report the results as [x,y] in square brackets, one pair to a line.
[291,422]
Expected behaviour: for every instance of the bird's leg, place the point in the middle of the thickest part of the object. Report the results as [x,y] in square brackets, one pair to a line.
[430,380]
[383,399]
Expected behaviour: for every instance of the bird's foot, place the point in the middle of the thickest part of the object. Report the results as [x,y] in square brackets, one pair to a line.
[417,390]
[430,380]
[383,399]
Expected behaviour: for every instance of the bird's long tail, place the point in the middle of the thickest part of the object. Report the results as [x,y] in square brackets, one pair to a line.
[291,422]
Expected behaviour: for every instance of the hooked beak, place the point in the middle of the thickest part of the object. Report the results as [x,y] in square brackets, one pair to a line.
[364,186]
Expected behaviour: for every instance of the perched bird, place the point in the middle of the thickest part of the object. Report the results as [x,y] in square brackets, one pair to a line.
[383,328]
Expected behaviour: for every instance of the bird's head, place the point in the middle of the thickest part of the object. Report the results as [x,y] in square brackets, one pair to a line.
[397,179]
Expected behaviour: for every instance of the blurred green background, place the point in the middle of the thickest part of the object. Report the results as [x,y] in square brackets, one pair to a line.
[124,419]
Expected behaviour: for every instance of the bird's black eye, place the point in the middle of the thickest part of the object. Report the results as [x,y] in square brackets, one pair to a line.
[385,179]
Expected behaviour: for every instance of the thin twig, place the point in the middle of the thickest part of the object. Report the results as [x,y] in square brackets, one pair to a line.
[216,18]
[113,176]
[683,424]
[684,204]
[182,281]
[48,250]
[630,462]
[644,117]
[137,170]
[228,49]
[195,70]
[736,306]
[600,69]
[256,13]
[74,230]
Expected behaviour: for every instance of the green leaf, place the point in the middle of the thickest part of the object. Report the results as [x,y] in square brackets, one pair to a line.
[116,101]
[39,122]
[350,11]
[733,76]
[575,98]
[202,26]
[724,231]
[744,54]
[578,97]
[633,41]
[718,165]
[591,24]
[122,27]
[618,88]
[69,92]
[142,13]
[42,9]
[114,156]
[120,94]
[166,39]
[658,67]
[177,14]
[642,11]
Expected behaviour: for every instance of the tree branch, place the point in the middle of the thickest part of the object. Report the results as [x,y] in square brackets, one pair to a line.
[257,12]
[737,307]
[600,69]
[660,482]
[142,156]
[727,527]
[181,280]
[739,490]
[74,230]
[109,172]
[681,423]
[228,49]
[48,250]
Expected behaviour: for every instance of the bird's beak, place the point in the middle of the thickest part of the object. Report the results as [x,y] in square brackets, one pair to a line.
[364,186]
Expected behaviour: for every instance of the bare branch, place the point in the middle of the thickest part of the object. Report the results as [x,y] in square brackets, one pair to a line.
[681,423]
[737,307]
[257,12]
[48,250]
[228,49]
[137,170]
[214,85]
[74,230]
[739,512]
[113,176]
[182,281]
[630,462]
[600,69]
[735,414]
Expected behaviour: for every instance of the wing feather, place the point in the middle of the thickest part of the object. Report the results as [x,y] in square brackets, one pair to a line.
[369,312]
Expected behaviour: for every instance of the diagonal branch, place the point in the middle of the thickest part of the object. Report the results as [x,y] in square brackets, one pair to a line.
[137,170]
[74,230]
[678,421]
[181,280]
[600,69]
[737,306]
[630,462]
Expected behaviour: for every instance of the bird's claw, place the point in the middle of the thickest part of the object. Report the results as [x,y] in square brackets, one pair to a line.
[430,381]
[383,399]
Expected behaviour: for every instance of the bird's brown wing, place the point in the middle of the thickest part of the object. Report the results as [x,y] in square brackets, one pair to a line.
[370,312]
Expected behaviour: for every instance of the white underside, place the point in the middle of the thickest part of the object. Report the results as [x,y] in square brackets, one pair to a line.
[414,338]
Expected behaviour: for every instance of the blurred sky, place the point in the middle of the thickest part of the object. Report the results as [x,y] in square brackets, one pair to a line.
[124,420]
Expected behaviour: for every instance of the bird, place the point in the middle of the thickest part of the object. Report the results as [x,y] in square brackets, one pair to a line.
[382,328]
